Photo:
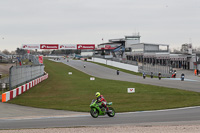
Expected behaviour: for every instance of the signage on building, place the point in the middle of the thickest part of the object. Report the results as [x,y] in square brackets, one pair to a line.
[48,46]
[85,46]
[107,46]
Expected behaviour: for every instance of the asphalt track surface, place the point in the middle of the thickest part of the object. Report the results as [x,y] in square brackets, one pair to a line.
[163,117]
[14,116]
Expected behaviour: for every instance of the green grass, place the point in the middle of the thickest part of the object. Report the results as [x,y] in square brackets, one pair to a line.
[75,92]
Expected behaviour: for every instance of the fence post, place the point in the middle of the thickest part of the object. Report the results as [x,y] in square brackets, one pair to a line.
[10,77]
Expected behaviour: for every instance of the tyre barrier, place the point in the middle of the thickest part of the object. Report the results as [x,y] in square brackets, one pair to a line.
[21,89]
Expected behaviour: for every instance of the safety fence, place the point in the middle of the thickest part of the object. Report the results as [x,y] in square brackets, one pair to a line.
[148,68]
[21,89]
[22,74]
[4,80]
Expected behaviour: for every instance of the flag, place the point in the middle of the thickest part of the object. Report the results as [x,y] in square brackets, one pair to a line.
[40,58]
[20,63]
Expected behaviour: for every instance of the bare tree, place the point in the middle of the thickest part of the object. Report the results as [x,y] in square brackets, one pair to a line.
[6,52]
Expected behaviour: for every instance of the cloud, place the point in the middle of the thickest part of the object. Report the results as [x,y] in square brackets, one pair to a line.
[47,21]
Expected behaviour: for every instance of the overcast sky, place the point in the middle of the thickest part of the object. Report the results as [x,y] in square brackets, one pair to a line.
[172,22]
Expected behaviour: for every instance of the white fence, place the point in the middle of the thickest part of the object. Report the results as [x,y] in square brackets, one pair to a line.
[116,64]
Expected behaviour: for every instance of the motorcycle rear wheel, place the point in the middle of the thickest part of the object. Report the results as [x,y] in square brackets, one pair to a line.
[111,114]
[94,113]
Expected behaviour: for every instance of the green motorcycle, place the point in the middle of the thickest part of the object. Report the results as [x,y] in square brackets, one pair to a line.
[97,110]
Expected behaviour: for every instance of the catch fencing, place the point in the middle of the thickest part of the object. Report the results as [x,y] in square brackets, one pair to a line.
[148,68]
[4,80]
[23,74]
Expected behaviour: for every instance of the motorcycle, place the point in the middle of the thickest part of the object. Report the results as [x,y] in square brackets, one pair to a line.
[159,77]
[151,74]
[117,72]
[97,110]
[182,78]
[144,76]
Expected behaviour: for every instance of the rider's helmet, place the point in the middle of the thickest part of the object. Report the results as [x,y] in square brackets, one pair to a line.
[97,94]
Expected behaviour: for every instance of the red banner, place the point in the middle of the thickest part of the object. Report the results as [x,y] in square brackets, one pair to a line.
[40,58]
[48,46]
[85,46]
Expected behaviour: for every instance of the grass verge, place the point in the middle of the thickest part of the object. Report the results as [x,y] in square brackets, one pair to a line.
[75,92]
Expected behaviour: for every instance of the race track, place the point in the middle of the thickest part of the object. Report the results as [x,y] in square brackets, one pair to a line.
[41,118]
[163,117]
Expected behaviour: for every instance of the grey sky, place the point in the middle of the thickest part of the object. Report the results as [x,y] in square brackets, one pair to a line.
[172,22]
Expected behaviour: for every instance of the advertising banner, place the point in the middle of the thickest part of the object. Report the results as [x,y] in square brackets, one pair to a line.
[67,46]
[57,46]
[40,58]
[85,46]
[30,46]
[48,46]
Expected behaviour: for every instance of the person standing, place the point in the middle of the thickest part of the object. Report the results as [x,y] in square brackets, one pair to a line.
[195,72]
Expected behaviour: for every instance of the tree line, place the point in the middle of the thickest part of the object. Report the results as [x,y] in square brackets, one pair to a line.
[20,51]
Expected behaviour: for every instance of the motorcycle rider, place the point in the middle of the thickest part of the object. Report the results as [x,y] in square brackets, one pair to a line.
[101,99]
[159,75]
[144,75]
[117,72]
[151,74]
[182,76]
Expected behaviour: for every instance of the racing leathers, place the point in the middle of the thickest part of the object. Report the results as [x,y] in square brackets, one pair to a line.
[103,101]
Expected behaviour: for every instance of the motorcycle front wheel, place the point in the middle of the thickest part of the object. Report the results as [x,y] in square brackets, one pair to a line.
[111,114]
[94,113]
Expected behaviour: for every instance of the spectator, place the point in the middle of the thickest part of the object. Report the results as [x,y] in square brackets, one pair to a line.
[195,72]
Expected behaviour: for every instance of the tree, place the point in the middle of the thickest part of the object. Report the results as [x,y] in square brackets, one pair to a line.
[20,51]
[6,52]
[12,52]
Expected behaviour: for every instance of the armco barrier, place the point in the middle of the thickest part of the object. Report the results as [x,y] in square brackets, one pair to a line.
[21,89]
